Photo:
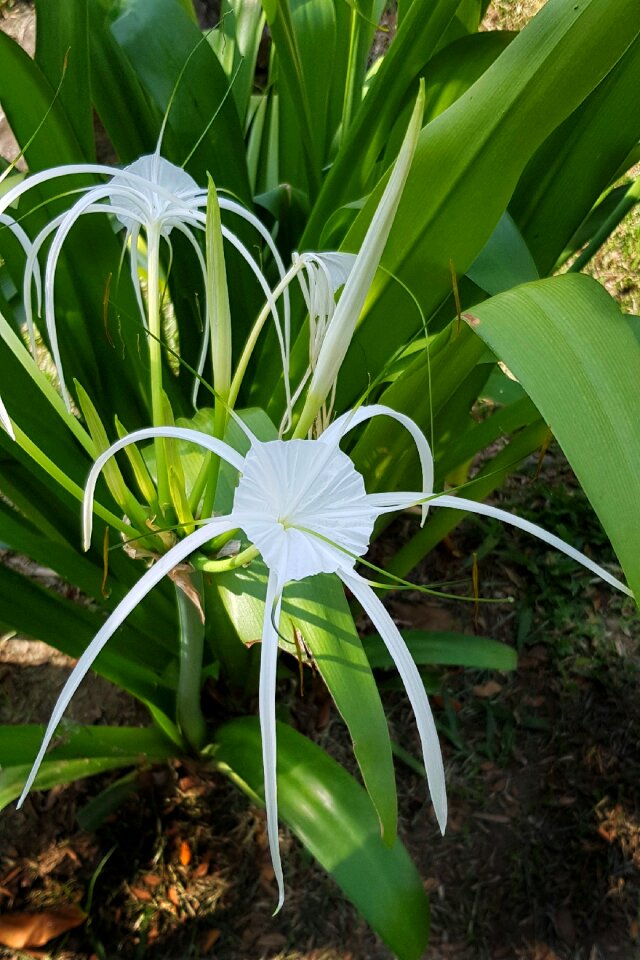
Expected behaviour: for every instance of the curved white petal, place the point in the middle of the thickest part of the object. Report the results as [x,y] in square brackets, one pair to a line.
[31,270]
[146,583]
[267,709]
[18,232]
[484,509]
[5,421]
[134,237]
[337,430]
[304,506]
[87,204]
[266,289]
[414,686]
[218,447]
[234,207]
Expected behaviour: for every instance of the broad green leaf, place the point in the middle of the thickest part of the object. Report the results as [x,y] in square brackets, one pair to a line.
[333,818]
[132,660]
[121,103]
[316,611]
[313,25]
[159,37]
[236,41]
[26,97]
[454,197]
[583,376]
[504,261]
[80,752]
[393,85]
[577,162]
[456,68]
[450,74]
[319,611]
[62,46]
[446,648]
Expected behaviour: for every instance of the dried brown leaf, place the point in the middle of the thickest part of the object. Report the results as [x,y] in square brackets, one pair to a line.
[20,930]
[488,689]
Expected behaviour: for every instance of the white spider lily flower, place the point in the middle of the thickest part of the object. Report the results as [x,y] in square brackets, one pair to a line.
[320,276]
[151,195]
[325,273]
[305,508]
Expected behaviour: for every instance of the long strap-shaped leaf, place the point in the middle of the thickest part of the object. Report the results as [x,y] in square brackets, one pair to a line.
[469,159]
[334,819]
[583,375]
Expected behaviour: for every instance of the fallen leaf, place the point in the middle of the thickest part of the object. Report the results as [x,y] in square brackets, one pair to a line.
[151,880]
[20,930]
[488,689]
[173,895]
[210,938]
[141,894]
[185,854]
[202,869]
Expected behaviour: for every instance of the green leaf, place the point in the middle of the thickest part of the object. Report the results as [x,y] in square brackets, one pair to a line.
[159,37]
[79,752]
[62,45]
[504,261]
[393,85]
[236,41]
[468,162]
[26,96]
[132,660]
[583,376]
[334,819]
[318,609]
[577,162]
[447,648]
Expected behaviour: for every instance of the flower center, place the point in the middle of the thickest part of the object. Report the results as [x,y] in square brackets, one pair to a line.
[150,201]
[304,506]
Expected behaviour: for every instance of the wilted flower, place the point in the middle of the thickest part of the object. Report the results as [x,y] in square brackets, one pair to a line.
[304,507]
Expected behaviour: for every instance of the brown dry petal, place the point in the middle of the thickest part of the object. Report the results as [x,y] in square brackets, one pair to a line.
[20,930]
[181,576]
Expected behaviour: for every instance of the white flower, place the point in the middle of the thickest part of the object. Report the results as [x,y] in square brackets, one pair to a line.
[150,195]
[305,508]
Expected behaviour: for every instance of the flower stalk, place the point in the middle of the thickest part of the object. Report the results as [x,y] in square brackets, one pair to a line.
[219,322]
[155,360]
[188,711]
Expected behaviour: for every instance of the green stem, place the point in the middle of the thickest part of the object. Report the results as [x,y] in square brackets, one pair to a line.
[155,362]
[229,563]
[220,326]
[252,339]
[188,712]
